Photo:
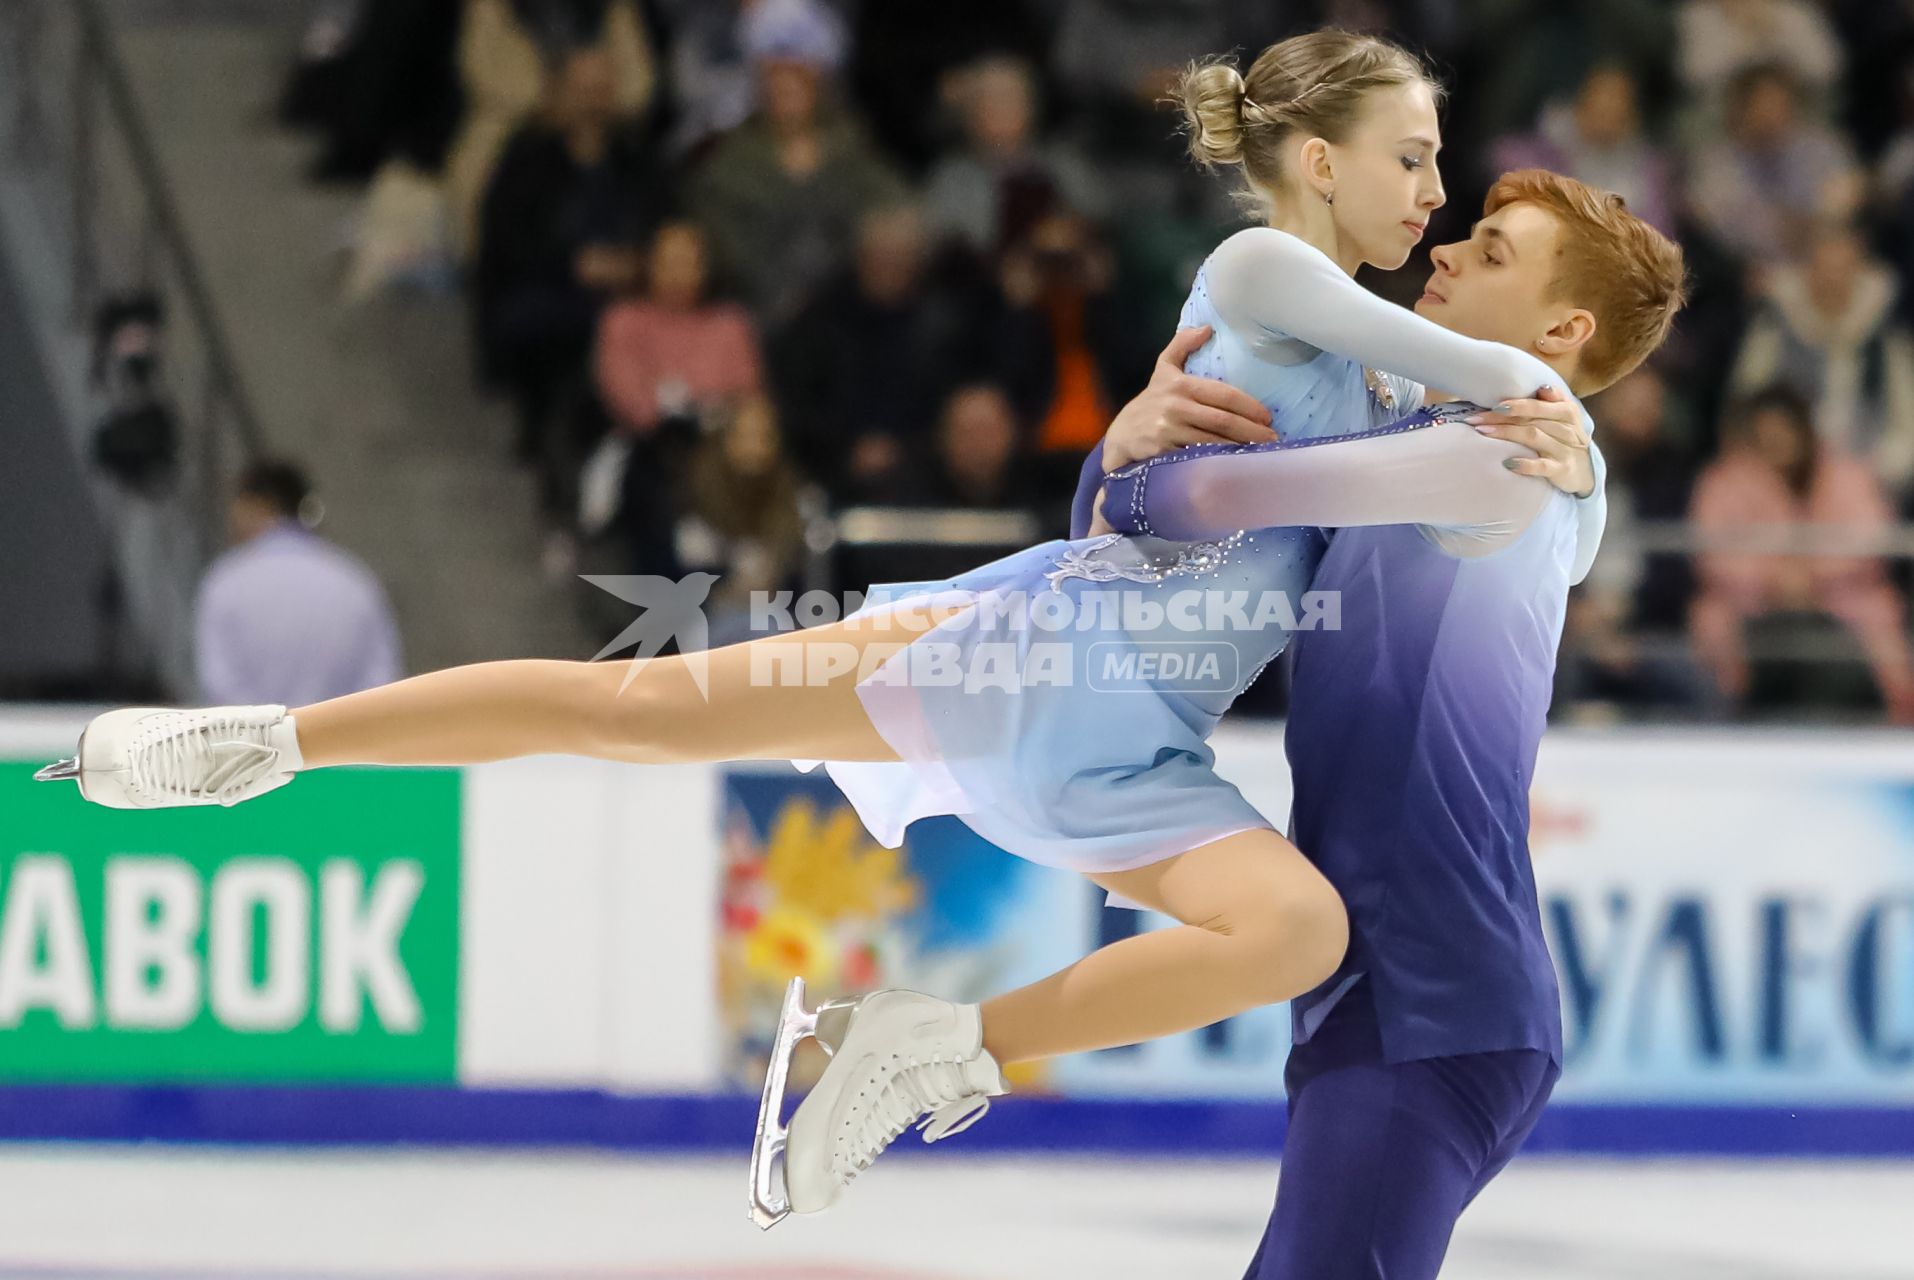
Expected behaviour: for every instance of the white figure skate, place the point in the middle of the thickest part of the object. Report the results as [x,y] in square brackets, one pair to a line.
[164,758]
[897,1058]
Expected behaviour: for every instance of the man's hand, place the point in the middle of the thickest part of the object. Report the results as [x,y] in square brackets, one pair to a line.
[1551,425]
[1178,409]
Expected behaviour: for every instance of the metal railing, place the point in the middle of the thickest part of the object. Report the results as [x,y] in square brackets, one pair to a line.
[93,212]
[1662,537]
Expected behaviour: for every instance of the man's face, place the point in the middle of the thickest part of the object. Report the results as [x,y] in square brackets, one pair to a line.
[1495,285]
[1000,112]
[979,436]
[890,255]
[248,517]
[584,94]
[1767,114]
[1835,266]
[1605,108]
[789,90]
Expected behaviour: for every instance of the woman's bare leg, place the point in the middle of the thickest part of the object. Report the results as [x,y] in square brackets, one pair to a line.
[773,698]
[1260,925]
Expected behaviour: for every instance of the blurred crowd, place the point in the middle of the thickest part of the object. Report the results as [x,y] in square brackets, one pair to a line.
[739,263]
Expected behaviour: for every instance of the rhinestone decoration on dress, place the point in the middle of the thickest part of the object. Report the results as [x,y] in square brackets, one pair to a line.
[1176,559]
[1379,387]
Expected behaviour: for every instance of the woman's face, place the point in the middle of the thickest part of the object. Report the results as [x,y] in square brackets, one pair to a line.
[1777,439]
[678,268]
[1384,173]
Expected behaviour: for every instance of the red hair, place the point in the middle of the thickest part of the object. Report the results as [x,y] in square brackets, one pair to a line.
[1625,273]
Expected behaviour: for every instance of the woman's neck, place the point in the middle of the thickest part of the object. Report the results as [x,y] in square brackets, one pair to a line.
[1310,221]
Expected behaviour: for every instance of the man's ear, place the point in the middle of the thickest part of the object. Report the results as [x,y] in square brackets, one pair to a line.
[1570,333]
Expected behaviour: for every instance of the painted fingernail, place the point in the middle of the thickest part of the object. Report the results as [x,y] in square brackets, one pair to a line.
[1513,464]
[1474,419]
[1504,407]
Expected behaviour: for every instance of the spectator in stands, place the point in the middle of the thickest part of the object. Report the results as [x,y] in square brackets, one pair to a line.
[909,58]
[1651,478]
[666,363]
[1720,39]
[1606,655]
[1829,331]
[1004,176]
[1775,473]
[377,80]
[573,202]
[505,50]
[780,196]
[977,461]
[1065,344]
[1598,139]
[1504,83]
[744,520]
[673,352]
[284,616]
[1758,190]
[861,369]
[667,358]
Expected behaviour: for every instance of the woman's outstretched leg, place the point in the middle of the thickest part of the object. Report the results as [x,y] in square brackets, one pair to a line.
[773,698]
[779,697]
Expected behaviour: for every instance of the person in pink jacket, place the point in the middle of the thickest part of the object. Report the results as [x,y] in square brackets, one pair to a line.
[672,352]
[1774,473]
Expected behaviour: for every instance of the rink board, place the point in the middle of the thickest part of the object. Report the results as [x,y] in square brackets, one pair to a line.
[562,951]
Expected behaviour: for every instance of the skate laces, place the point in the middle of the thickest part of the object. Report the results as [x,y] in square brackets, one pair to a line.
[934,1095]
[202,759]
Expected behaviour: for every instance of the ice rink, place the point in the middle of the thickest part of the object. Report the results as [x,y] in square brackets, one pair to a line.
[94,1211]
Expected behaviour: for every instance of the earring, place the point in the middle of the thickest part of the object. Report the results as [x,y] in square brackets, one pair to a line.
[1329,197]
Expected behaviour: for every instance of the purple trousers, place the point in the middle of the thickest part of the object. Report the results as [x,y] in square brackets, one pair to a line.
[1382,1158]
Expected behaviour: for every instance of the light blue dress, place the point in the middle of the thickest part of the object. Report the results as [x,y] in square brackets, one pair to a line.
[1064,715]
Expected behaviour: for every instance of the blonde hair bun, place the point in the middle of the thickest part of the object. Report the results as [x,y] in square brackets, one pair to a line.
[1212,99]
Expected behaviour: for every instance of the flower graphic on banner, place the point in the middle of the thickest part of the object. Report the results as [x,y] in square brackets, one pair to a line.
[789,941]
[813,897]
[805,891]
[828,866]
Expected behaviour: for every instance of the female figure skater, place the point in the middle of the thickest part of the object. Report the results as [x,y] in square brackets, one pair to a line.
[1083,757]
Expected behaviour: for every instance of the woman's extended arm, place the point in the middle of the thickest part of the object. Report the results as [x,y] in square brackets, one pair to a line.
[1437,473]
[1264,281]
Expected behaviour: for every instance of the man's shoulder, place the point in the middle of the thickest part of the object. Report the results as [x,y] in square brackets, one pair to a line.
[307,556]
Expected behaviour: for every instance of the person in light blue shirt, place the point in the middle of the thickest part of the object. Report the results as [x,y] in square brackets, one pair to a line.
[284,615]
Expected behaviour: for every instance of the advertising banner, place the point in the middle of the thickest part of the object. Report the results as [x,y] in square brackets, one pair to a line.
[1728,927]
[310,935]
